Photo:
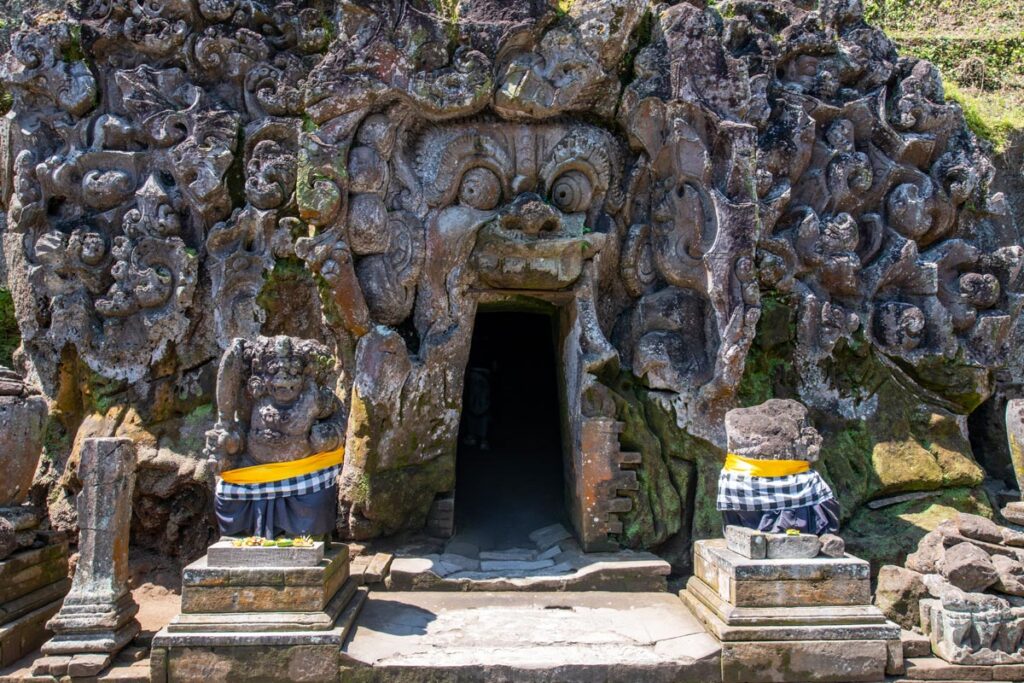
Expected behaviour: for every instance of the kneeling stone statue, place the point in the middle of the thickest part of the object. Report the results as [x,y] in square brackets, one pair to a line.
[767,483]
[278,441]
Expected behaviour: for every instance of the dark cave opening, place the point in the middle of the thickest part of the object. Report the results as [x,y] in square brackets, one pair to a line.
[509,468]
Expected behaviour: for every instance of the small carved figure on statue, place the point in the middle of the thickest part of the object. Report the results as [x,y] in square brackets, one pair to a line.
[278,441]
[767,483]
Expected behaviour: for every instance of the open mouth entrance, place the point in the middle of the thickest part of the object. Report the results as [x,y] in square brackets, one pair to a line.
[509,469]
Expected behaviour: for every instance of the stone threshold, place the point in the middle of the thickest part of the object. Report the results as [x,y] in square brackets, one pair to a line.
[555,562]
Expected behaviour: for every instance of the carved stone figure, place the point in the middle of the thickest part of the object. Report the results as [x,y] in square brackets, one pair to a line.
[766,483]
[278,438]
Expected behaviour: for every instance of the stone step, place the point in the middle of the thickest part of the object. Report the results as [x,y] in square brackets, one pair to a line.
[427,636]
[567,571]
[940,671]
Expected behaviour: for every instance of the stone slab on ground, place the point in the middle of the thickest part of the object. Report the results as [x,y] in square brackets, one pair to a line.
[620,571]
[550,535]
[225,554]
[481,636]
[915,644]
[935,669]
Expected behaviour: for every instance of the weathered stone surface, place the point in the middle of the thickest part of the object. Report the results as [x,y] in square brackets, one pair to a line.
[778,429]
[239,589]
[529,637]
[180,176]
[1014,512]
[832,545]
[98,614]
[969,568]
[792,547]
[915,644]
[831,661]
[746,542]
[979,528]
[224,554]
[898,592]
[934,669]
[22,418]
[24,634]
[1011,575]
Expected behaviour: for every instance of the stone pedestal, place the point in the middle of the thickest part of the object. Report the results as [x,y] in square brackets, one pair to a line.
[97,618]
[802,619]
[32,584]
[254,622]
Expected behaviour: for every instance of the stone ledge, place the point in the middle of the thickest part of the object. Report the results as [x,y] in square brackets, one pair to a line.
[26,633]
[335,636]
[246,622]
[886,631]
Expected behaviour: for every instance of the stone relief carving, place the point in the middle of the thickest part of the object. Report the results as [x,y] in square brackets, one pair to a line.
[654,170]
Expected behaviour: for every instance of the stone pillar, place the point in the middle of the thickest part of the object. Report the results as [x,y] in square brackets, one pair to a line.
[98,615]
[1014,512]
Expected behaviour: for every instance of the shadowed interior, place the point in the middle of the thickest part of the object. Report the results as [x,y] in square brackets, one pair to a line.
[516,484]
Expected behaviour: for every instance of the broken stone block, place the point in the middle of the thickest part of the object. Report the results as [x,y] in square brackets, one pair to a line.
[514,565]
[832,545]
[979,528]
[1011,575]
[898,594]
[550,535]
[791,546]
[1014,513]
[929,553]
[749,543]
[969,568]
[777,429]
[22,416]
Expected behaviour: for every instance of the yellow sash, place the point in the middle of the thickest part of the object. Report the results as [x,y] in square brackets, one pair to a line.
[764,468]
[276,471]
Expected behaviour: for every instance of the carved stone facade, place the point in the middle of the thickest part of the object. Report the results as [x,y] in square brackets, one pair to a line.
[178,174]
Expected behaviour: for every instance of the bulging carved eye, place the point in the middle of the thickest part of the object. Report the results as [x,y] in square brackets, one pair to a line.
[571,192]
[480,189]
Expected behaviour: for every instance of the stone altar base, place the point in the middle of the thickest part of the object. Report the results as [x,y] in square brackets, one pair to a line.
[32,584]
[241,623]
[782,620]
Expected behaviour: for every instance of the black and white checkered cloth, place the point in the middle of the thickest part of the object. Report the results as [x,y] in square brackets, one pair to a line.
[745,493]
[293,486]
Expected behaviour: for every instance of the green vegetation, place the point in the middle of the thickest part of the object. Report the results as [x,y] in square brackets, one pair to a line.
[10,337]
[978,46]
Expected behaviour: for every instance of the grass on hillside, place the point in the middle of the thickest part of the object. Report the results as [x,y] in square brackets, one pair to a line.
[978,46]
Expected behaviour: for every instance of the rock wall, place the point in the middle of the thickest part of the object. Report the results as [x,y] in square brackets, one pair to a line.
[725,202]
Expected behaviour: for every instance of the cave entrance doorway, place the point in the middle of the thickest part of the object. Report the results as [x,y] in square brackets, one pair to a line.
[509,468]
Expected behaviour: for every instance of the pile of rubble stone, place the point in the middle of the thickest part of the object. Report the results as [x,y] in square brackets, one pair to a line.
[964,589]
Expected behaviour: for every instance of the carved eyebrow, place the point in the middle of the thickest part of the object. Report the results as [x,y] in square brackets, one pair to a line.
[468,149]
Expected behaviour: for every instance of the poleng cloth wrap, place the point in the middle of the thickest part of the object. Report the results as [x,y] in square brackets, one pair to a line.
[750,485]
[282,479]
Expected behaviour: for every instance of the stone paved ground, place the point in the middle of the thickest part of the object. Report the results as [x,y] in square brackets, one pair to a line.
[532,636]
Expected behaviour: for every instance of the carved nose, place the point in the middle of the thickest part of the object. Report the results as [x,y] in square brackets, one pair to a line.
[531,215]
